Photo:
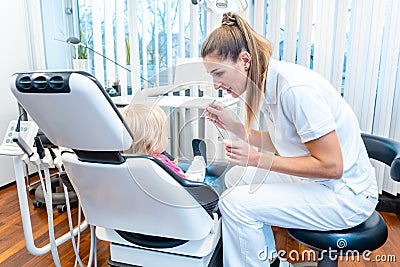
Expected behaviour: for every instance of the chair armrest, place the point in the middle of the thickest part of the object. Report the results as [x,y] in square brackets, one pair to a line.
[204,194]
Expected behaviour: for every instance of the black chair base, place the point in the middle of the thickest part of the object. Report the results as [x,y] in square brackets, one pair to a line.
[215,261]
[369,235]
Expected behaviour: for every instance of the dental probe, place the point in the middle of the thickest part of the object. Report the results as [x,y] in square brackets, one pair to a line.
[203,115]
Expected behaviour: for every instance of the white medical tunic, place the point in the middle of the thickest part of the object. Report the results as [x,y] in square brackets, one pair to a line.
[300,105]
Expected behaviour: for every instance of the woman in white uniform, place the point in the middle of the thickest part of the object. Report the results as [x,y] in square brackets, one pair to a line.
[318,175]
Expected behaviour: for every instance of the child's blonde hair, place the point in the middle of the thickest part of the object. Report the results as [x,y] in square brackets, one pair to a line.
[147,124]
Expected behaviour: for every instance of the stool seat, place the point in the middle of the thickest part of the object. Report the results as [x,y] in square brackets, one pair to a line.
[368,235]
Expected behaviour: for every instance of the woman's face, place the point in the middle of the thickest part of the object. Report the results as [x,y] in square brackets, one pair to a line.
[227,74]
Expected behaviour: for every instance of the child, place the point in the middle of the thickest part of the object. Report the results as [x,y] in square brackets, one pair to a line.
[148,124]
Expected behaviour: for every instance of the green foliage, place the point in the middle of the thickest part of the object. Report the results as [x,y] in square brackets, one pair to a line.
[128,51]
[82,51]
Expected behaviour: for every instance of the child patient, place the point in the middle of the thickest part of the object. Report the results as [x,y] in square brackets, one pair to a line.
[148,124]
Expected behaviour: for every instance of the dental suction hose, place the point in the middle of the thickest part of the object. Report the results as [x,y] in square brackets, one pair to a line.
[43,160]
[41,154]
[75,244]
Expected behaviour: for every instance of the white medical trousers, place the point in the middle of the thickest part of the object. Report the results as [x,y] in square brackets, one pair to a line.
[249,211]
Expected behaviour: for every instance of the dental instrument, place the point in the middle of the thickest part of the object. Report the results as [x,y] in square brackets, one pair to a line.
[203,115]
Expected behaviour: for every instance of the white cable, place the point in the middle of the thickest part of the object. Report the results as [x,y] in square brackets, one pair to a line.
[71,229]
[42,181]
[79,227]
[49,207]
[26,173]
[58,164]
[48,199]
[93,247]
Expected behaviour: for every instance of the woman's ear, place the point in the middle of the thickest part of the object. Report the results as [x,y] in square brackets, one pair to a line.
[245,59]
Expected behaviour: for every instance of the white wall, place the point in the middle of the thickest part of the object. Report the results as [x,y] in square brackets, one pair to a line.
[15,57]
[56,21]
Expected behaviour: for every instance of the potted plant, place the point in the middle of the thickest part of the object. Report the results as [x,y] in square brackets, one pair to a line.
[128,63]
[128,51]
[81,59]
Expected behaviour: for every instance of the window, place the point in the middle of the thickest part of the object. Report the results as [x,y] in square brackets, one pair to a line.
[161,31]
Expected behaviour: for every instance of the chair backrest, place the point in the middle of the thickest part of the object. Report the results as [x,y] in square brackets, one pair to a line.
[134,194]
[384,150]
[72,109]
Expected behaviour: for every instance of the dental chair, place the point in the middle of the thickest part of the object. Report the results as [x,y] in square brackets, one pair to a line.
[150,215]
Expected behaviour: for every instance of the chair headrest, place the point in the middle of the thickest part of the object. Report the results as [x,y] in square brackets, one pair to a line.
[72,109]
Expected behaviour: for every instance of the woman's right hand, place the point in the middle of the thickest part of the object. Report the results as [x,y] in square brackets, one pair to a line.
[223,119]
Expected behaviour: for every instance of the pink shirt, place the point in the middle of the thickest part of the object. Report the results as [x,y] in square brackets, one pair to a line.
[171,164]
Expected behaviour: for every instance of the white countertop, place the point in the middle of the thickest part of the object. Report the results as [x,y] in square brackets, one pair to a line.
[177,101]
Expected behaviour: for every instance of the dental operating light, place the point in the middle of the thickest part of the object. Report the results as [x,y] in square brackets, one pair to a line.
[221,6]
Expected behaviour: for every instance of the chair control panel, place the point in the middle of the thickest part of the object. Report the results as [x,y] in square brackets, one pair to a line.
[28,131]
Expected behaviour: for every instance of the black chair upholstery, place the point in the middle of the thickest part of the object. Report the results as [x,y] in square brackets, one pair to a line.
[370,234]
[385,150]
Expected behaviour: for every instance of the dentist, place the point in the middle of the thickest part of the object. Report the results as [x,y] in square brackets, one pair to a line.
[317,176]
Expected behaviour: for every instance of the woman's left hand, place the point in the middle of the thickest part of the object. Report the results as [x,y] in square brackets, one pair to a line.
[241,153]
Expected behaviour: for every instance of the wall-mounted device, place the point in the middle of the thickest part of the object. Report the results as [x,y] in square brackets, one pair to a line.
[221,6]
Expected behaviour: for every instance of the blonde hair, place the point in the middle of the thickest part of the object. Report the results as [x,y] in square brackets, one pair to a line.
[147,126]
[230,39]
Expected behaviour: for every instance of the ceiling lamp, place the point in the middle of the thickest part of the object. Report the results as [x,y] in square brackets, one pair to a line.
[222,6]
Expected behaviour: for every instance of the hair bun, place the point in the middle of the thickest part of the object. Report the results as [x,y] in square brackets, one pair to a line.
[229,19]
